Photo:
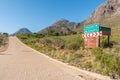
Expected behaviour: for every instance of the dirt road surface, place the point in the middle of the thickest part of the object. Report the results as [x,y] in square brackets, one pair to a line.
[20,62]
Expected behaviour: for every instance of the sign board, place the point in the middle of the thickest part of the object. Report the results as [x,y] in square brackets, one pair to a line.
[106,33]
[91,28]
[105,29]
[91,42]
[95,28]
[92,33]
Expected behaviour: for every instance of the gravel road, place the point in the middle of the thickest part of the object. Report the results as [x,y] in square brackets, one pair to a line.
[20,62]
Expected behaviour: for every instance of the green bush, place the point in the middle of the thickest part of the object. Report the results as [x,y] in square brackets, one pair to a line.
[58,42]
[3,39]
[46,42]
[38,35]
[109,63]
[52,33]
[5,34]
[70,32]
[116,63]
[74,46]
[88,65]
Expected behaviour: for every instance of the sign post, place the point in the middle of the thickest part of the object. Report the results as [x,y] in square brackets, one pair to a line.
[92,35]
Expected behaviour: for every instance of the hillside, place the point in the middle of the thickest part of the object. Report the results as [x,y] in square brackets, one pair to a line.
[3,41]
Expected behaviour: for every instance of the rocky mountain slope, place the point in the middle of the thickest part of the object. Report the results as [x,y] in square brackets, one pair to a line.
[62,25]
[22,30]
[107,14]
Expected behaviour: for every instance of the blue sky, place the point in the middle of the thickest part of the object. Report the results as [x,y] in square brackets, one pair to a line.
[38,14]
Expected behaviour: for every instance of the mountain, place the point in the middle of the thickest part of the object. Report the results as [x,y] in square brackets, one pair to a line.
[22,30]
[62,25]
[107,14]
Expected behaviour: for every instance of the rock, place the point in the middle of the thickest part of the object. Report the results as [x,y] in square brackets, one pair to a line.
[114,76]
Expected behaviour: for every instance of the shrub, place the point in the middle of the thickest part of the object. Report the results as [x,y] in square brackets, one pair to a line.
[73,58]
[109,63]
[3,39]
[47,42]
[104,42]
[52,33]
[5,34]
[70,32]
[74,46]
[73,39]
[37,35]
[116,67]
[88,64]
[58,42]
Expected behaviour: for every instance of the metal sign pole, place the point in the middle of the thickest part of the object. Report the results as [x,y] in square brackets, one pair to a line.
[108,41]
[99,41]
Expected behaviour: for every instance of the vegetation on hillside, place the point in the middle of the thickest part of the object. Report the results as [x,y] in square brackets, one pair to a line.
[3,40]
[107,63]
[69,49]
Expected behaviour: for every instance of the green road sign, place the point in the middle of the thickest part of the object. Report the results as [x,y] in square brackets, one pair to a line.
[105,29]
[95,28]
[91,28]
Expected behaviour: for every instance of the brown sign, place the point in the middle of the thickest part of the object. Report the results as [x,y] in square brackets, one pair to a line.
[91,42]
[92,34]
[108,33]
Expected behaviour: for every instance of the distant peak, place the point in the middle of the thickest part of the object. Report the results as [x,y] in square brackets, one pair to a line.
[23,30]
